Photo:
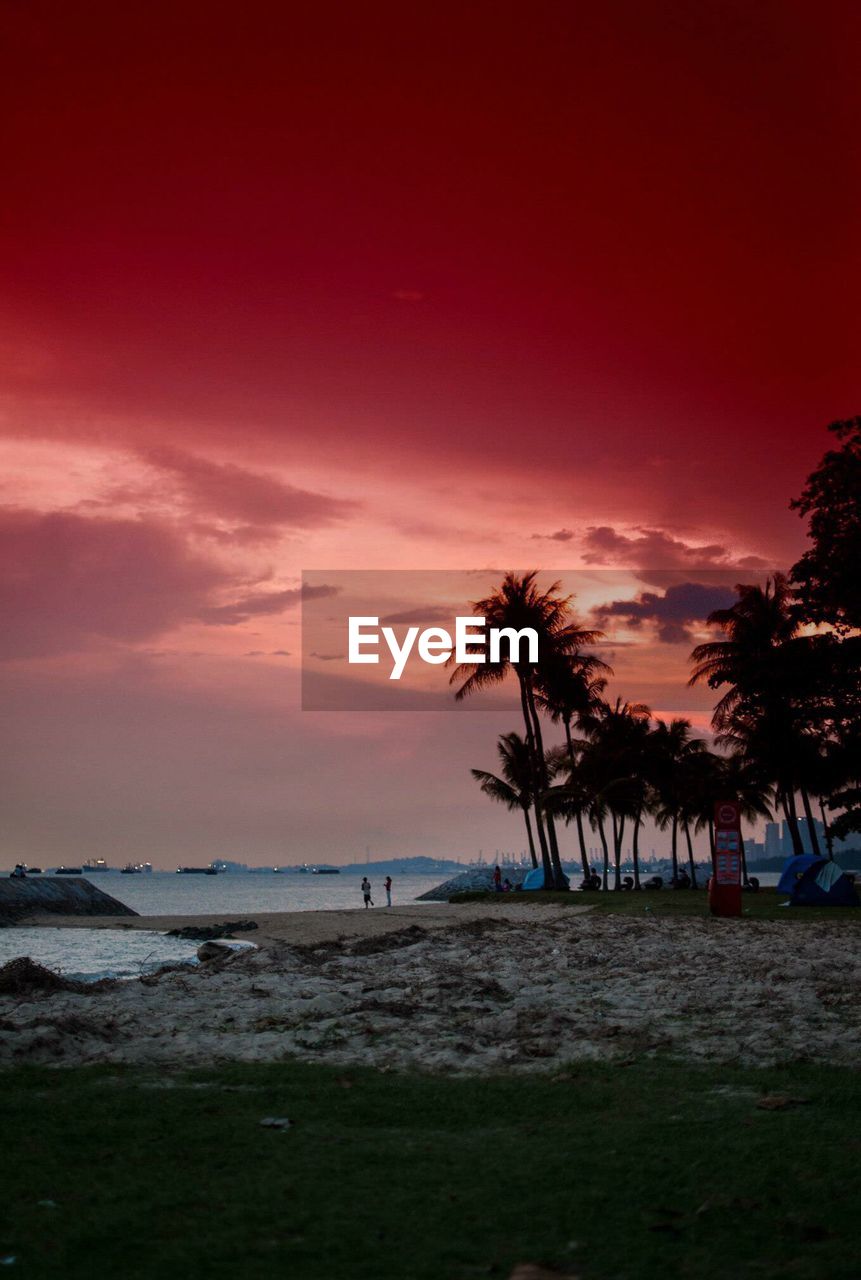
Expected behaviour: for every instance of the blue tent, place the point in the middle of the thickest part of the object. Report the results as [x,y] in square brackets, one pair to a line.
[794,869]
[534,879]
[816,882]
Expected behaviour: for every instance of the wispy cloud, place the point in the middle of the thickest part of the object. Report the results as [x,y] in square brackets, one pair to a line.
[561,535]
[421,614]
[253,500]
[262,604]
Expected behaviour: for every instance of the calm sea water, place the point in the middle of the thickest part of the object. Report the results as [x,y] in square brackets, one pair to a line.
[88,954]
[243,893]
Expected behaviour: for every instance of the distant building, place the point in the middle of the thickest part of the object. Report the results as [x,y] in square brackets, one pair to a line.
[778,840]
[773,847]
[806,842]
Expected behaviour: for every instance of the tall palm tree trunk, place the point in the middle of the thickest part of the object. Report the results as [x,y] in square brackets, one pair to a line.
[605,876]
[811,824]
[617,851]
[829,840]
[691,863]
[790,812]
[557,880]
[581,835]
[635,848]
[537,787]
[529,834]
[675,847]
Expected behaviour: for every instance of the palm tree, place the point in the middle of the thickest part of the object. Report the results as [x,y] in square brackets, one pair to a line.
[613,766]
[704,787]
[520,602]
[672,752]
[569,687]
[766,665]
[514,788]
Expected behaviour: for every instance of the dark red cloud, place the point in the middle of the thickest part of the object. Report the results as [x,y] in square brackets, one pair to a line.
[67,582]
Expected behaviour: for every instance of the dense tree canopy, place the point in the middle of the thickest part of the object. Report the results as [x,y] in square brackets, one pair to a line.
[828,575]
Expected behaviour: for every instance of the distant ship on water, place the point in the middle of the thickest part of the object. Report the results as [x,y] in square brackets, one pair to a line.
[196,871]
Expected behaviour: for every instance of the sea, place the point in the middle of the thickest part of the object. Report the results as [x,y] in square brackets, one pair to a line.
[90,954]
[241,893]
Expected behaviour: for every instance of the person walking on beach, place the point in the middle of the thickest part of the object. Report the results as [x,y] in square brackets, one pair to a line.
[387,885]
[366,890]
[497,880]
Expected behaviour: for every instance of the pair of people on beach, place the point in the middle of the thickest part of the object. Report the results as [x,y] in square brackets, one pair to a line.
[366,891]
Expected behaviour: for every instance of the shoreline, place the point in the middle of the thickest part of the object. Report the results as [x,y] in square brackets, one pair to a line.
[304,928]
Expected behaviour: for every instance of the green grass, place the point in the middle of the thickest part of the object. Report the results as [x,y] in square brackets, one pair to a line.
[764,905]
[649,1169]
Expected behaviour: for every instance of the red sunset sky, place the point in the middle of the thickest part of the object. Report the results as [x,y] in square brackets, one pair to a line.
[293,287]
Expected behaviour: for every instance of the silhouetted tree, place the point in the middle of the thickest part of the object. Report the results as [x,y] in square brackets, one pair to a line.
[827,576]
[569,687]
[672,751]
[766,665]
[520,602]
[514,788]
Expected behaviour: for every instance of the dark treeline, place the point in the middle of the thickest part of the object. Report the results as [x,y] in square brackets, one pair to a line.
[787,666]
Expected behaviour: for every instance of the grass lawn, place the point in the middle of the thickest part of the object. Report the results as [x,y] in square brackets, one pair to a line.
[651,1169]
[764,905]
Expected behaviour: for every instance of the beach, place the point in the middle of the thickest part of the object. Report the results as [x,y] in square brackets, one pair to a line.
[471,988]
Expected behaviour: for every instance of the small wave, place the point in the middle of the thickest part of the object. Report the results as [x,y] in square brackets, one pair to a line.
[89,954]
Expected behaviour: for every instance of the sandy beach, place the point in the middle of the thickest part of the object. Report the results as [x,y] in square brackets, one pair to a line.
[467,989]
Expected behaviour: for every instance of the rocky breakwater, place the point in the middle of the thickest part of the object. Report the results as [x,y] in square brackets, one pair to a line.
[476,880]
[22,898]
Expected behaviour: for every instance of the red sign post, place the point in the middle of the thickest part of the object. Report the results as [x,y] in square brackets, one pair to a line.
[725,883]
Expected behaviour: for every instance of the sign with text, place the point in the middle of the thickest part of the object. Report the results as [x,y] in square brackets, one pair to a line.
[725,885]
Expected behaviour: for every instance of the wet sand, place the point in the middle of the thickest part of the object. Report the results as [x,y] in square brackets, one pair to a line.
[306,928]
[471,988]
